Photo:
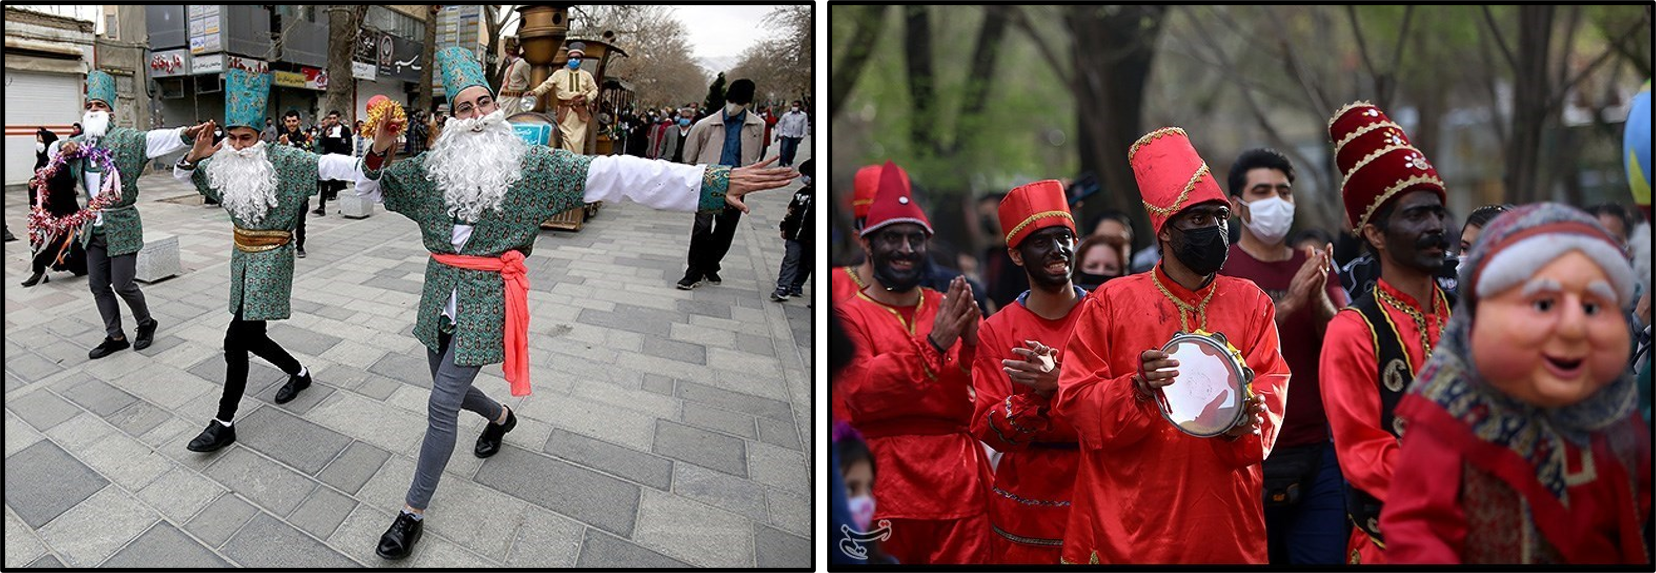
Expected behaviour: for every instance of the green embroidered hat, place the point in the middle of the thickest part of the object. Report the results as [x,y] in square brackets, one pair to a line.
[460,71]
[245,97]
[101,86]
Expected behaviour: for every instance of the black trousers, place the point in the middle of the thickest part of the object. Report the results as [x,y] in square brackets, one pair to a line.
[242,337]
[709,241]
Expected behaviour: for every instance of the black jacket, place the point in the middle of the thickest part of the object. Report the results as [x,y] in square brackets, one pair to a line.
[800,223]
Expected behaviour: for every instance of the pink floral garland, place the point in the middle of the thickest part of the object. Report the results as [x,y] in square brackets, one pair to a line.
[43,225]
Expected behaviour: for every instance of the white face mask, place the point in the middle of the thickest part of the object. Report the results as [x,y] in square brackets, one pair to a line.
[862,511]
[734,108]
[1269,219]
[40,147]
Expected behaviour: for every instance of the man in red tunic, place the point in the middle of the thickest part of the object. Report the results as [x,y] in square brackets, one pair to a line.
[1524,443]
[850,279]
[1016,375]
[1372,349]
[1146,492]
[906,390]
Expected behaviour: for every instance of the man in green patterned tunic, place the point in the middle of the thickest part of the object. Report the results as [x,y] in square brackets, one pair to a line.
[479,196]
[113,240]
[263,188]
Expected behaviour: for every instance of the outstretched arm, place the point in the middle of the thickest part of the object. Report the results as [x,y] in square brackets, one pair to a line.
[672,186]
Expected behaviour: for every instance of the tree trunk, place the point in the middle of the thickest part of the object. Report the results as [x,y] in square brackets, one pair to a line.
[970,122]
[1112,49]
[428,61]
[1532,90]
[844,75]
[343,24]
[917,54]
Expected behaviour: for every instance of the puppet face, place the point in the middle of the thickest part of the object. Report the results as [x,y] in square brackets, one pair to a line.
[1554,340]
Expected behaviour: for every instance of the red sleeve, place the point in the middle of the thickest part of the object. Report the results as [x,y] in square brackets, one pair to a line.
[1007,422]
[1351,398]
[902,380]
[1424,523]
[1337,293]
[1264,356]
[1102,405]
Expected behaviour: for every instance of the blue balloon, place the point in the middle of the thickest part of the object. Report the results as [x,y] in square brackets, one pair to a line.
[1636,146]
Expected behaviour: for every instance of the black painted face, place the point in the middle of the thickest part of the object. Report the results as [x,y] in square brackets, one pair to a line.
[899,255]
[1048,255]
[1416,234]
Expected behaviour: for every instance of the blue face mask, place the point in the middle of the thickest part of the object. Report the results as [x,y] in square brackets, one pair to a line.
[684,121]
[574,63]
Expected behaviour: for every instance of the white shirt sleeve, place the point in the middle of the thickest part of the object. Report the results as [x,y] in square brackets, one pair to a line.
[366,188]
[183,174]
[336,167]
[650,182]
[164,141]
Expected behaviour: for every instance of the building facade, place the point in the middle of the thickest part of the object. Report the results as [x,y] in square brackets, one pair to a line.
[47,58]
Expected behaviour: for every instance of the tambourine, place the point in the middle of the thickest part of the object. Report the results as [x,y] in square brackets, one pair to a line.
[1210,395]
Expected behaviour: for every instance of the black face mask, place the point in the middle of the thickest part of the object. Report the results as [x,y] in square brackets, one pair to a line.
[1203,250]
[1090,281]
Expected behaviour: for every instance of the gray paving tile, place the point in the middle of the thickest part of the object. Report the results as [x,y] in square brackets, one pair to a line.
[778,549]
[358,380]
[42,409]
[180,493]
[98,397]
[701,447]
[300,340]
[674,350]
[23,546]
[138,417]
[43,481]
[96,528]
[290,439]
[353,467]
[301,305]
[165,545]
[708,417]
[259,374]
[658,326]
[400,285]
[161,344]
[220,519]
[685,530]
[658,384]
[789,511]
[778,433]
[594,498]
[625,462]
[266,542]
[734,401]
[411,370]
[322,512]
[545,539]
[719,490]
[703,307]
[272,486]
[31,367]
[47,561]
[601,549]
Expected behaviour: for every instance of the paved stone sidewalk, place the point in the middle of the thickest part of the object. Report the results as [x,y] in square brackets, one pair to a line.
[667,428]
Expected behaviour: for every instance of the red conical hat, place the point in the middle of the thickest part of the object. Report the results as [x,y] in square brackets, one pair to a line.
[865,185]
[1033,207]
[894,203]
[1376,160]
[1171,176]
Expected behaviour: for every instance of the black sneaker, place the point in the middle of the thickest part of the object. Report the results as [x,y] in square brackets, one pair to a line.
[291,390]
[109,345]
[488,444]
[687,283]
[398,541]
[213,438]
[319,212]
[301,252]
[779,296]
[713,279]
[146,335]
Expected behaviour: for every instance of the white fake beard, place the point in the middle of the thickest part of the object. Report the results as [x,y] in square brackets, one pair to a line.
[245,180]
[474,163]
[95,124]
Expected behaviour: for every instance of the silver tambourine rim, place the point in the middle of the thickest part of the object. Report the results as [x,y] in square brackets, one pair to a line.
[1239,370]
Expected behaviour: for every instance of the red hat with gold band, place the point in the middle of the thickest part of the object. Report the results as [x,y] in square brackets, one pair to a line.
[1171,176]
[1377,161]
[866,183]
[894,203]
[1030,208]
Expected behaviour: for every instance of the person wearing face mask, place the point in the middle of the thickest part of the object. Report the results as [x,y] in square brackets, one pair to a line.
[730,137]
[790,130]
[855,465]
[1146,492]
[672,145]
[908,389]
[573,89]
[798,231]
[1016,373]
[59,252]
[1304,507]
[1373,348]
[1099,259]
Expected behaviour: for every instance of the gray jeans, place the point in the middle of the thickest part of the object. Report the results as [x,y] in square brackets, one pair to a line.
[451,391]
[112,276]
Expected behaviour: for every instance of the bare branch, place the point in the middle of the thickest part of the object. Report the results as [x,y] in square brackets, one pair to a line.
[1494,32]
[1402,34]
[1557,99]
[1362,46]
[1021,20]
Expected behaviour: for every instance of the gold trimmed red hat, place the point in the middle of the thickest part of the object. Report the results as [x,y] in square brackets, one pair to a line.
[894,203]
[1032,207]
[1376,160]
[1171,176]
[864,186]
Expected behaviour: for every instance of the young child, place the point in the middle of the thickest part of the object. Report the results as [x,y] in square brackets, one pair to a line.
[856,467]
[798,229]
